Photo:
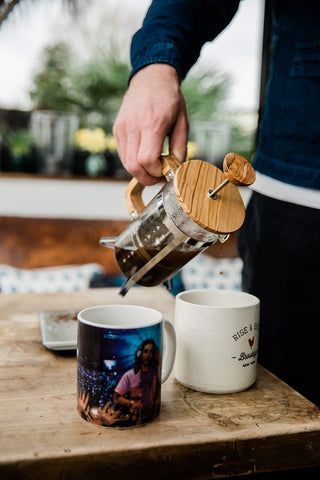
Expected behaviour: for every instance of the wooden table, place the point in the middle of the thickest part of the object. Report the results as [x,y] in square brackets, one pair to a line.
[201,436]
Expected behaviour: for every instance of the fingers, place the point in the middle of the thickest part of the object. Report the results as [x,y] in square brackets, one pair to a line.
[140,143]
[141,146]
[142,161]
[153,108]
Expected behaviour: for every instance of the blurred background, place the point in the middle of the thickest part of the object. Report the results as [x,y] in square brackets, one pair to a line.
[64,70]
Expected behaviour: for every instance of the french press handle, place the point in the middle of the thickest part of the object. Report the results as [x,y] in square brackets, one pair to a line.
[133,195]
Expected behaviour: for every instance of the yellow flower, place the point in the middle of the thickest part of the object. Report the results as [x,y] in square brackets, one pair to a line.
[111,143]
[92,140]
[191,150]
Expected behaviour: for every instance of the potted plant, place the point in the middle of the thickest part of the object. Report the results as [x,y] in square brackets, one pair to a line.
[98,148]
[22,156]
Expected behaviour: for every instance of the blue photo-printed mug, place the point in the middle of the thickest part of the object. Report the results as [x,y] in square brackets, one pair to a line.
[121,365]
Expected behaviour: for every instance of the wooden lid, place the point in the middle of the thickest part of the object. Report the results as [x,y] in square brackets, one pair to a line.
[192,181]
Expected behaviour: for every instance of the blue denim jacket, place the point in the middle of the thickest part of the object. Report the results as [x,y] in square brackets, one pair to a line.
[174,32]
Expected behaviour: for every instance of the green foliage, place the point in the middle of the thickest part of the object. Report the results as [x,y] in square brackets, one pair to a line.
[204,92]
[242,142]
[95,87]
[99,87]
[94,90]
[19,142]
[52,85]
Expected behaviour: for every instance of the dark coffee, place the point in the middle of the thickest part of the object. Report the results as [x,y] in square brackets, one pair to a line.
[130,261]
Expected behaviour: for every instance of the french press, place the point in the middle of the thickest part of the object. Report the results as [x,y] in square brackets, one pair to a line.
[198,206]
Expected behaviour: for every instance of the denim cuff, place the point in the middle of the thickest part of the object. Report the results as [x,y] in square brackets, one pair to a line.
[163,52]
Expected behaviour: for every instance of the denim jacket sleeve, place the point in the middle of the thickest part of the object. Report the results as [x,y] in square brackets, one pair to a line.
[174,31]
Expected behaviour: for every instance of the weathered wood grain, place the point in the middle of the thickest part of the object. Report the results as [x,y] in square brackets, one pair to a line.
[49,242]
[197,436]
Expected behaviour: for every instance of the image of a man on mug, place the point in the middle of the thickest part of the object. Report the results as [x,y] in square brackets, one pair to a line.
[138,389]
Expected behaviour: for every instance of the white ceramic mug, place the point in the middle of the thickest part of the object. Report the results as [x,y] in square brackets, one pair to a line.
[217,340]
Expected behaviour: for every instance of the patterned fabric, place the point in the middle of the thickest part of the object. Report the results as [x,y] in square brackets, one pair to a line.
[208,272]
[47,280]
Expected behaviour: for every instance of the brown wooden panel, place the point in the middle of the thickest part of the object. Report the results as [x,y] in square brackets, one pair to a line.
[43,242]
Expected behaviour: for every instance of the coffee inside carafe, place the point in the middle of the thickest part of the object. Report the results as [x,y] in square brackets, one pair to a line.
[130,261]
[149,237]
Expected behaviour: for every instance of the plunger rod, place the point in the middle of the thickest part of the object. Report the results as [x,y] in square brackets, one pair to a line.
[237,171]
[213,193]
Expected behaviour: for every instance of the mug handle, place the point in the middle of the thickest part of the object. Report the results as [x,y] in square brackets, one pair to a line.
[133,195]
[170,350]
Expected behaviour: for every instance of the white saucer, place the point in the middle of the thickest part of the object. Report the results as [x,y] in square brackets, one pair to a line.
[58,329]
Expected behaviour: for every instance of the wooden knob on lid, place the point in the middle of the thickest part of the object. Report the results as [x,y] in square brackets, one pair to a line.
[192,181]
[238,170]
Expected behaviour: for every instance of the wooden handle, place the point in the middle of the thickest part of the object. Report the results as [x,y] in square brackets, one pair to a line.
[238,170]
[133,195]
[170,165]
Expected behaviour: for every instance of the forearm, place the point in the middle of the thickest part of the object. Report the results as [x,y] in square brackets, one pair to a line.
[174,31]
[162,52]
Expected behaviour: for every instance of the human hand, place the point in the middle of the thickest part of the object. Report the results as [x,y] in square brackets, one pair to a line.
[152,109]
[83,403]
[108,415]
[136,405]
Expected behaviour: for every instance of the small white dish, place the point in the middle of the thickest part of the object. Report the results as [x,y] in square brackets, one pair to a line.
[58,329]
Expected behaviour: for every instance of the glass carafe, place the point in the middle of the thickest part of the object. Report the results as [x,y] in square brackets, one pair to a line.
[172,229]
